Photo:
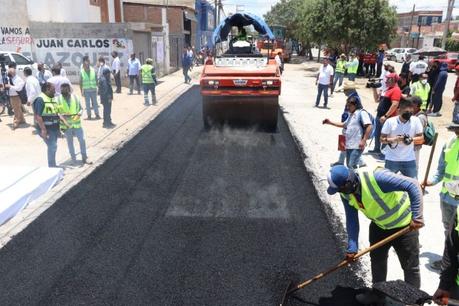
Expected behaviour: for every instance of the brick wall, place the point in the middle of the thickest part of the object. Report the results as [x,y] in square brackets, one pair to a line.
[175,19]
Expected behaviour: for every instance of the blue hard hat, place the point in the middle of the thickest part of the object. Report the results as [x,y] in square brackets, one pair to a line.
[337,177]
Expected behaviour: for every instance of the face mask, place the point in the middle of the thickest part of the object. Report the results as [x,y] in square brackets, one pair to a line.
[407,115]
[424,82]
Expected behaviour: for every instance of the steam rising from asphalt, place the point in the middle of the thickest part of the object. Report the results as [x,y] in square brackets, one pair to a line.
[228,135]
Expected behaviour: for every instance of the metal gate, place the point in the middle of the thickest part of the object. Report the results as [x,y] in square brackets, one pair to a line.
[142,45]
[176,45]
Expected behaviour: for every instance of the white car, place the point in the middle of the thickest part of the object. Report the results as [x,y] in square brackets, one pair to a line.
[392,53]
[401,55]
[20,60]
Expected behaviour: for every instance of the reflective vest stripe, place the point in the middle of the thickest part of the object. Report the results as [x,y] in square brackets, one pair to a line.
[340,66]
[394,210]
[405,214]
[422,92]
[451,153]
[70,111]
[353,66]
[374,194]
[50,112]
[451,177]
[88,80]
[147,74]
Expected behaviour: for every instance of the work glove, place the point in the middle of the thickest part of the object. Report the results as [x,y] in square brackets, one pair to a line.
[350,257]
[416,225]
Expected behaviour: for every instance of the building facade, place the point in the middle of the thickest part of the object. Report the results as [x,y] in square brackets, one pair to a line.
[418,29]
[206,24]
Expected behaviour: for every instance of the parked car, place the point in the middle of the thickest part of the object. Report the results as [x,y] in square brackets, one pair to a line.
[391,54]
[451,58]
[400,56]
[20,60]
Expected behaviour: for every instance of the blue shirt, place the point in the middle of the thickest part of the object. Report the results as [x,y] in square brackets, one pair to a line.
[133,67]
[388,182]
[380,58]
[444,197]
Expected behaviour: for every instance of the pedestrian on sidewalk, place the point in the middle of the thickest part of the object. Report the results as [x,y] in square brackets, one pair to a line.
[422,116]
[437,91]
[134,74]
[357,129]
[448,174]
[88,87]
[391,202]
[70,112]
[400,133]
[339,72]
[57,79]
[15,85]
[101,66]
[116,70]
[352,67]
[148,81]
[379,62]
[323,80]
[421,89]
[186,65]
[455,98]
[46,112]
[106,98]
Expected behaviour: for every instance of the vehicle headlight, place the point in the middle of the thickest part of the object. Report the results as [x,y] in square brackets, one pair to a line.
[269,83]
[212,82]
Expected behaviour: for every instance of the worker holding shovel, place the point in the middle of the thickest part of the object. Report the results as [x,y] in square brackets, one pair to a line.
[391,202]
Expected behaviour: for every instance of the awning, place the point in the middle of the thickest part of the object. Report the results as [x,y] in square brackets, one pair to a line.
[189,16]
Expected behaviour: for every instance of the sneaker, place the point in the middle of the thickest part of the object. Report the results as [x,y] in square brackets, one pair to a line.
[369,298]
[89,118]
[98,117]
[436,265]
[86,161]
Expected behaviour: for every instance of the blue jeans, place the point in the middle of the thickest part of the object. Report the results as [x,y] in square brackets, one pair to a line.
[78,133]
[339,76]
[351,76]
[322,88]
[353,157]
[378,129]
[132,79]
[90,95]
[407,168]
[51,143]
[149,88]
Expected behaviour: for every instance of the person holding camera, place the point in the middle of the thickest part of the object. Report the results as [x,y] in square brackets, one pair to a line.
[15,85]
[400,133]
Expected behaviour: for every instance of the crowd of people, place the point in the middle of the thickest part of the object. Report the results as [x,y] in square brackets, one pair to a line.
[57,108]
[391,196]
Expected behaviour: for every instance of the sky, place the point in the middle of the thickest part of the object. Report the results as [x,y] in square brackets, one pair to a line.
[260,7]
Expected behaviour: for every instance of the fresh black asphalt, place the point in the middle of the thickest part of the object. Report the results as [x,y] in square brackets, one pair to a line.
[182,216]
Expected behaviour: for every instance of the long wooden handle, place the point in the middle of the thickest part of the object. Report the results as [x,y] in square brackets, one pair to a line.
[432,151]
[346,262]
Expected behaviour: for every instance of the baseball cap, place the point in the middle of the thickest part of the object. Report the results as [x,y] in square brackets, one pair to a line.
[337,177]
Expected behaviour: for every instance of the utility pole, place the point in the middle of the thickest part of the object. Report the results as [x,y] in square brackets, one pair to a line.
[411,25]
[218,11]
[449,12]
[215,13]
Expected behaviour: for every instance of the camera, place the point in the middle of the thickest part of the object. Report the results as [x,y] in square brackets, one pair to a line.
[407,139]
[373,83]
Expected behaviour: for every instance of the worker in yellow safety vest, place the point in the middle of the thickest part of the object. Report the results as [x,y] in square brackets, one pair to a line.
[421,89]
[70,112]
[148,81]
[88,86]
[352,67]
[391,202]
[339,72]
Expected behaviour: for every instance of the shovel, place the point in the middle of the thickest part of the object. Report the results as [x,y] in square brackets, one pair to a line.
[293,288]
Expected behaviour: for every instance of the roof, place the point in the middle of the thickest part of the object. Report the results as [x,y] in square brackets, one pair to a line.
[421,13]
[181,3]
[241,19]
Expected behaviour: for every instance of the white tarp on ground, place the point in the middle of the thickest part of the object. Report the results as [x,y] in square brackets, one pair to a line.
[21,185]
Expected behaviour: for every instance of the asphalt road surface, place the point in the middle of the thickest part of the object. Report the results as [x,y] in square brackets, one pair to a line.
[181,216]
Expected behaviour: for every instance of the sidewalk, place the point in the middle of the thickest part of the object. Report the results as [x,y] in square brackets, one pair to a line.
[319,145]
[22,148]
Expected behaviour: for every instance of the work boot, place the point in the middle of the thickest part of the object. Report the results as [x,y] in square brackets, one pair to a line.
[86,161]
[369,298]
[98,117]
[154,100]
[436,265]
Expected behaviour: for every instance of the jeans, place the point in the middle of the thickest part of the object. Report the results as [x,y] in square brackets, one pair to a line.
[407,249]
[133,78]
[51,143]
[107,103]
[437,101]
[378,69]
[456,112]
[351,76]
[407,168]
[378,129]
[185,74]
[353,157]
[117,77]
[78,133]
[322,88]
[372,69]
[447,213]
[149,88]
[339,76]
[90,95]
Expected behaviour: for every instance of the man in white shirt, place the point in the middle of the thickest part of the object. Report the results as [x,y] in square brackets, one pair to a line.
[400,133]
[101,66]
[279,62]
[323,80]
[43,75]
[15,84]
[32,85]
[58,80]
[417,68]
[116,65]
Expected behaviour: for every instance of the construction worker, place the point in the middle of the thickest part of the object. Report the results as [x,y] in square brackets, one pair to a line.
[391,202]
[421,89]
[242,34]
[448,174]
[88,87]
[70,112]
[339,72]
[352,67]
[148,81]
[448,169]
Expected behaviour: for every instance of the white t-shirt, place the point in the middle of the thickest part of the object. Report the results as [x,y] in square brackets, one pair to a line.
[33,88]
[418,67]
[324,74]
[354,128]
[278,60]
[394,127]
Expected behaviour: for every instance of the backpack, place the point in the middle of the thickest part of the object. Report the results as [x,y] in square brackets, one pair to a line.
[373,123]
[429,133]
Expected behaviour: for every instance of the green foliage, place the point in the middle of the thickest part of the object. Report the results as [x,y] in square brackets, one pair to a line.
[341,24]
[452,45]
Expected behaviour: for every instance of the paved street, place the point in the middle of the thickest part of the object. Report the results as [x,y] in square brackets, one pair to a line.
[181,216]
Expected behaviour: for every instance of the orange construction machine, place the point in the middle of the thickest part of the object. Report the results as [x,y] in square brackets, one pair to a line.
[272,47]
[240,84]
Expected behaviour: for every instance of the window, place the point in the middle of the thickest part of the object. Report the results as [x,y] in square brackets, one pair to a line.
[21,60]
[424,20]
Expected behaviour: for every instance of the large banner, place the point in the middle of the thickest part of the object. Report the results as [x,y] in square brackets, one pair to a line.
[70,52]
[15,39]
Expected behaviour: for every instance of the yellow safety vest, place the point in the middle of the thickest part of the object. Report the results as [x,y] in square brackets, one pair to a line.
[50,111]
[422,91]
[452,165]
[70,112]
[457,232]
[147,74]
[353,66]
[340,66]
[88,81]
[387,210]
